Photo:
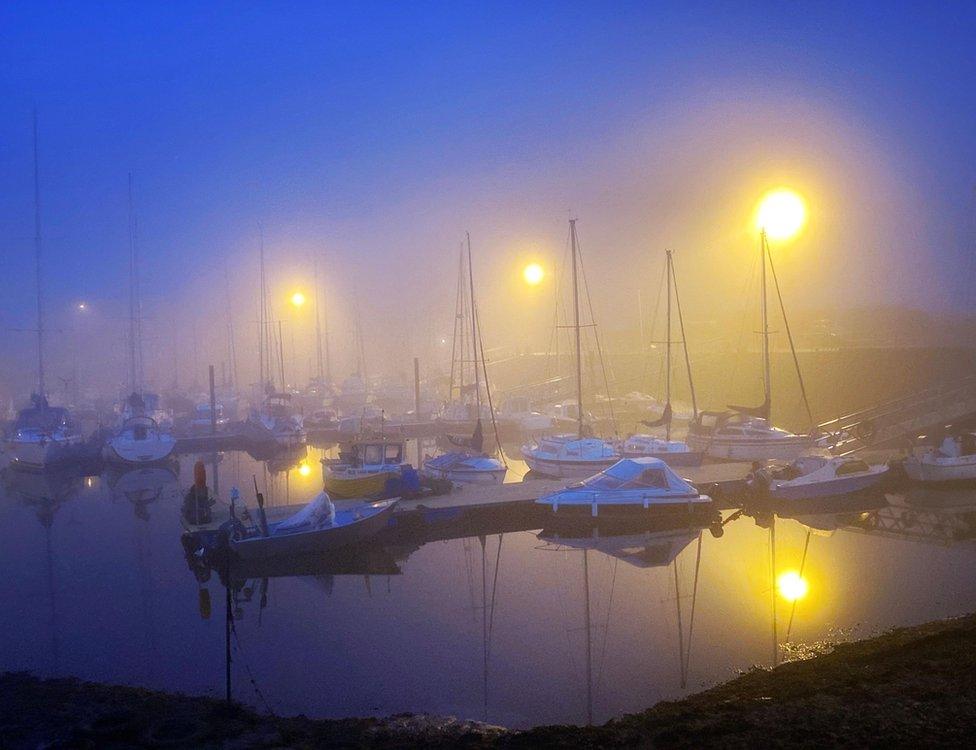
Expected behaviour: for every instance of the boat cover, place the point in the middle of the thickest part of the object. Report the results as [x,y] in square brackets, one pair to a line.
[317,514]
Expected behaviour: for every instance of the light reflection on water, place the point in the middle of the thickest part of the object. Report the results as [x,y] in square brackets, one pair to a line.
[96,585]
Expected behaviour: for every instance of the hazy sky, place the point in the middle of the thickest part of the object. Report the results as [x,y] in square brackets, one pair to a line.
[374,135]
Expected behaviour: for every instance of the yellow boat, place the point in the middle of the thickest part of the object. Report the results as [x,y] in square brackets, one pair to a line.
[367,469]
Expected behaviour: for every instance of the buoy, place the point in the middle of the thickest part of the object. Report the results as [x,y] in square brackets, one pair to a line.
[200,475]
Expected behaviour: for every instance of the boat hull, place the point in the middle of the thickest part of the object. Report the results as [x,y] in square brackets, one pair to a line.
[847,485]
[469,476]
[42,454]
[629,503]
[139,452]
[942,471]
[326,540]
[366,485]
[722,449]
[671,458]
[559,469]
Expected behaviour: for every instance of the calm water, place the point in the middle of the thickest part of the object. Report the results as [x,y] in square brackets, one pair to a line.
[95,585]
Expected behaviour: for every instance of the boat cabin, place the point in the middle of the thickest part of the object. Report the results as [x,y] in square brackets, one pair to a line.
[370,453]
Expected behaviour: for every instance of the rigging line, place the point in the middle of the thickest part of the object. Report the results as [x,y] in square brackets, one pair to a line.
[803,562]
[747,288]
[484,622]
[494,589]
[694,600]
[653,328]
[250,674]
[789,337]
[491,407]
[596,336]
[454,336]
[684,341]
[606,625]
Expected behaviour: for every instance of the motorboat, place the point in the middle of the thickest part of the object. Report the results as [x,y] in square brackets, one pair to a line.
[42,436]
[369,468]
[519,411]
[953,460]
[466,468]
[629,485]
[818,476]
[737,436]
[569,456]
[318,527]
[276,422]
[204,419]
[139,441]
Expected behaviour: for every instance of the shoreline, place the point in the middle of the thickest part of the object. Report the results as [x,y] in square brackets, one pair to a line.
[908,685]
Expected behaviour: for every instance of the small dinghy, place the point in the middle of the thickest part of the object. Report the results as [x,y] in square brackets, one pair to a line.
[672,452]
[630,485]
[818,476]
[953,461]
[317,528]
[466,468]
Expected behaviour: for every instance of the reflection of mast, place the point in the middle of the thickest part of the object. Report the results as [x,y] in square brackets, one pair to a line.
[51,590]
[589,643]
[772,585]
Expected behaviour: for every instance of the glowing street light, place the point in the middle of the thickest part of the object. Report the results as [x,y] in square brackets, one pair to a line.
[533,274]
[298,299]
[304,469]
[82,306]
[781,213]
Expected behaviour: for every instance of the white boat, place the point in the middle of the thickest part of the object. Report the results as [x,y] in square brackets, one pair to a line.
[747,433]
[954,460]
[139,442]
[672,452]
[733,436]
[819,476]
[42,436]
[319,528]
[466,468]
[275,422]
[569,456]
[631,484]
[518,410]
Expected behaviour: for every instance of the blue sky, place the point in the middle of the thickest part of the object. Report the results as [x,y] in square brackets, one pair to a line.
[383,131]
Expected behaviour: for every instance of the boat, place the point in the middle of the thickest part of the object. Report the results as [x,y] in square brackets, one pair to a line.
[43,436]
[372,468]
[206,419]
[319,527]
[743,433]
[566,456]
[275,422]
[952,461]
[466,468]
[519,411]
[673,452]
[139,442]
[818,476]
[630,485]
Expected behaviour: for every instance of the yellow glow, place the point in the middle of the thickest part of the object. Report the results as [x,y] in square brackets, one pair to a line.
[792,586]
[304,469]
[782,213]
[298,299]
[533,274]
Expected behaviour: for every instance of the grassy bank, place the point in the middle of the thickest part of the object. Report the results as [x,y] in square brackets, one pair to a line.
[909,686]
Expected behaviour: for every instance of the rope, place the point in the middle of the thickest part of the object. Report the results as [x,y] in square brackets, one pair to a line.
[250,674]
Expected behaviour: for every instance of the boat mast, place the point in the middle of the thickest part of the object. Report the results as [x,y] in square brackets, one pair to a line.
[576,329]
[37,266]
[133,298]
[262,321]
[767,390]
[474,330]
[319,364]
[667,379]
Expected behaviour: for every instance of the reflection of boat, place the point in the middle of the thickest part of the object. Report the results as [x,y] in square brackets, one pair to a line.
[747,433]
[954,460]
[631,485]
[815,476]
[368,468]
[144,485]
[317,527]
[139,441]
[643,549]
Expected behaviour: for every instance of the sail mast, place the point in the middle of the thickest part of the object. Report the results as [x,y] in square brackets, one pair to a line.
[576,328]
[474,329]
[133,312]
[765,333]
[262,321]
[37,266]
[667,379]
[319,364]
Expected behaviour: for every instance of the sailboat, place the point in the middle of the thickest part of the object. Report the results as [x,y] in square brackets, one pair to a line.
[673,452]
[568,455]
[139,440]
[471,464]
[42,435]
[745,433]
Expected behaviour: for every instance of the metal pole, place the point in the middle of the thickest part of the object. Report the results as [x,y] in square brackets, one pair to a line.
[213,404]
[576,327]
